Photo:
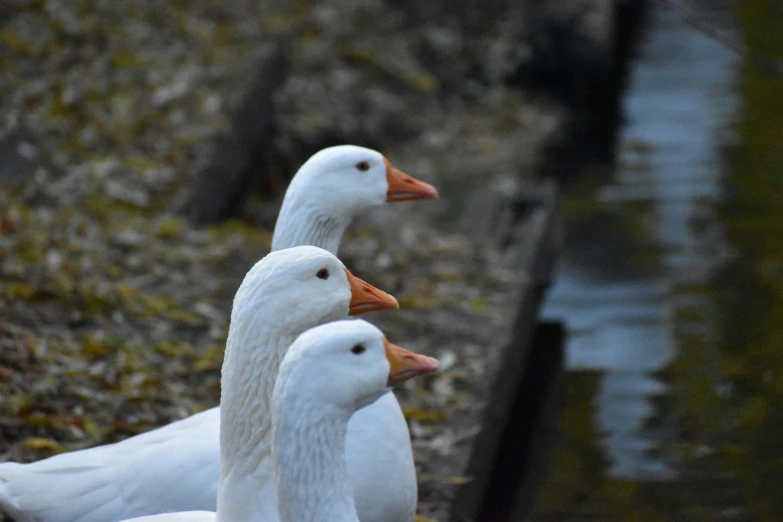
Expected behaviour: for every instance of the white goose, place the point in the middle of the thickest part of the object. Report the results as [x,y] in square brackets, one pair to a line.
[284,294]
[332,187]
[138,477]
[329,373]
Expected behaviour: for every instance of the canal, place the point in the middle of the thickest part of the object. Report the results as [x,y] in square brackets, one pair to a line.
[671,286]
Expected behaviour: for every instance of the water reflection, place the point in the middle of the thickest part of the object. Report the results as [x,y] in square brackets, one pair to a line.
[677,355]
[621,329]
[623,326]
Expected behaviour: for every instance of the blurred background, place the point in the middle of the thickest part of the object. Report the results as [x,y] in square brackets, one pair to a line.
[145,147]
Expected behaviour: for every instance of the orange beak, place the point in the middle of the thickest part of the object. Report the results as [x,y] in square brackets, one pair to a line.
[405,188]
[367,298]
[406,365]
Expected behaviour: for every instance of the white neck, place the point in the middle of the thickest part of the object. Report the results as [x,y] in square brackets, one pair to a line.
[308,459]
[302,223]
[249,371]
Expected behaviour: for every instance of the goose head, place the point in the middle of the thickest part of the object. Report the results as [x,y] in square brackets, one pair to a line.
[347,179]
[332,187]
[348,364]
[297,288]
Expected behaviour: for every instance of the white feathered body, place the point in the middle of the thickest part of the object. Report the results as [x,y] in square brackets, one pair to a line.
[177,467]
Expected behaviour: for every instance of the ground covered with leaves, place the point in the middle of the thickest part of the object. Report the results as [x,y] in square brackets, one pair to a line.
[114,310]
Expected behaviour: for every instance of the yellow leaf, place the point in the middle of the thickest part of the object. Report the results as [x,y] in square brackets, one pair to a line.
[452,276]
[12,39]
[211,359]
[125,58]
[157,304]
[277,22]
[22,291]
[478,305]
[41,443]
[425,82]
[139,164]
[92,429]
[36,419]
[94,347]
[362,54]
[183,316]
[126,291]
[446,479]
[169,228]
[173,349]
[455,479]
[426,416]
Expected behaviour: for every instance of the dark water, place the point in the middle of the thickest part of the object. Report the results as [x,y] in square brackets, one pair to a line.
[672,290]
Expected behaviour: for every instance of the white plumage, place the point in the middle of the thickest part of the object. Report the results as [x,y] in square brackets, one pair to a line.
[322,382]
[177,467]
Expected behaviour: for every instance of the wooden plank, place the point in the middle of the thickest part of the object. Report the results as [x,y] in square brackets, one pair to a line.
[523,461]
[511,365]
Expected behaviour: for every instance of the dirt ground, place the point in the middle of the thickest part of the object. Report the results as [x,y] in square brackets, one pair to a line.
[114,310]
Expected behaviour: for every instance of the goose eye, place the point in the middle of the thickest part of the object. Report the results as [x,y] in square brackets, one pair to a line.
[358,349]
[362,166]
[322,274]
